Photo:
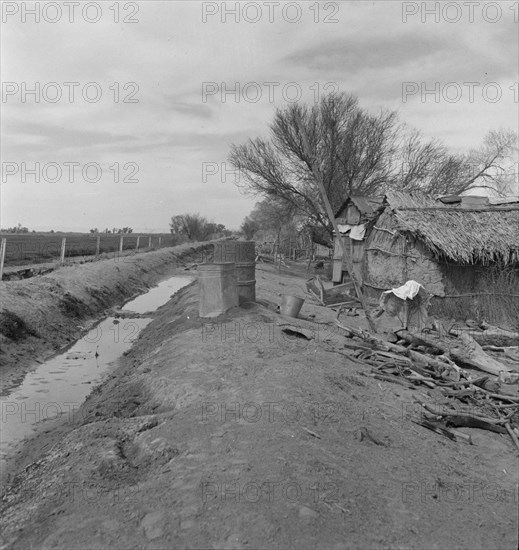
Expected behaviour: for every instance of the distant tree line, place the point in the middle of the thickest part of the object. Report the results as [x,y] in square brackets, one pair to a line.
[18,229]
[118,231]
[115,230]
[194,227]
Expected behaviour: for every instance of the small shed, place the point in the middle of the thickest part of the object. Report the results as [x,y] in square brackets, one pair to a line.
[354,219]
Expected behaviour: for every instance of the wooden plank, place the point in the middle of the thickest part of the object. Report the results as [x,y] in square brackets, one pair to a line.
[63,245]
[492,335]
[3,246]
[340,294]
[464,350]
[337,271]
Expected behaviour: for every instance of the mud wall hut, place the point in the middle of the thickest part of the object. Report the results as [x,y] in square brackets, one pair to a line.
[465,251]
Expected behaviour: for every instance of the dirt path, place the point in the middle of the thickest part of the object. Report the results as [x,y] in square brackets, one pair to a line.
[233,434]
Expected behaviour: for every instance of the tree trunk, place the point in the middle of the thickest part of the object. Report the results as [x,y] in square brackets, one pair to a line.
[463,350]
[491,336]
[318,179]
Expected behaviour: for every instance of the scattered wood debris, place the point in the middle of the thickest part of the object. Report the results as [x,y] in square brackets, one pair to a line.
[443,364]
[463,349]
[435,427]
[490,335]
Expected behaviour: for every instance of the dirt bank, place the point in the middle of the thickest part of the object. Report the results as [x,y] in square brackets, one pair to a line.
[38,316]
[234,434]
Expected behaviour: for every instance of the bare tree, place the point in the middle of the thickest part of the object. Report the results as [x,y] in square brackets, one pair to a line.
[176,225]
[249,227]
[424,165]
[355,150]
[195,227]
[431,168]
[494,164]
[271,216]
[357,153]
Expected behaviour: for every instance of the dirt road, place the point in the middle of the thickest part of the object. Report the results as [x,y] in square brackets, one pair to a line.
[235,434]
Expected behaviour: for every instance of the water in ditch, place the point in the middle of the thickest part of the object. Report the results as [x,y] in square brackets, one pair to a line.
[157,296]
[58,387]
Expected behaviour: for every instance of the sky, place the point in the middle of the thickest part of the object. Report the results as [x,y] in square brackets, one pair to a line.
[121,114]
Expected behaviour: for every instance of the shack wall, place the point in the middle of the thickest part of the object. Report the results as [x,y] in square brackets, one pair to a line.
[353,214]
[479,292]
[384,263]
[423,268]
[354,251]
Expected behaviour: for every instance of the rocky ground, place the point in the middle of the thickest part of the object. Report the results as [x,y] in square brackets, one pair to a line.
[232,433]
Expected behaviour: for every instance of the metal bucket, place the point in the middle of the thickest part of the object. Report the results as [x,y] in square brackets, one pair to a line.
[243,254]
[291,305]
[217,289]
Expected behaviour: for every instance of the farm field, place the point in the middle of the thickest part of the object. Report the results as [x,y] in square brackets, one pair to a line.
[34,248]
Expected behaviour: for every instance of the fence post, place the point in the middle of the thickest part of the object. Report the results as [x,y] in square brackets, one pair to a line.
[98,246]
[160,240]
[3,246]
[121,238]
[149,242]
[63,245]
[137,245]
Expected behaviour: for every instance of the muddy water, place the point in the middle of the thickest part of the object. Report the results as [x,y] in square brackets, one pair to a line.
[58,387]
[157,296]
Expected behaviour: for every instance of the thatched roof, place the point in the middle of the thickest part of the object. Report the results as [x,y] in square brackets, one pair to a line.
[464,235]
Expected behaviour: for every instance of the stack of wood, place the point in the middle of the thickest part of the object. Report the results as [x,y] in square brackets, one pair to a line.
[442,360]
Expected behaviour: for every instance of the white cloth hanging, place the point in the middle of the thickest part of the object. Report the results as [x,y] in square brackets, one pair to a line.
[358,232]
[343,228]
[407,291]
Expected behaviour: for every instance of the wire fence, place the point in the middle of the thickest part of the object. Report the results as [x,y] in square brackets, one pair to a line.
[18,250]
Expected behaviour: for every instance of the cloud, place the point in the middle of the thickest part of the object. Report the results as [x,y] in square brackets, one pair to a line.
[191,110]
[451,58]
[351,55]
[170,53]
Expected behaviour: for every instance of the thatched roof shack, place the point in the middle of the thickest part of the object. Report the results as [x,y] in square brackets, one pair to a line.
[485,235]
[460,249]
